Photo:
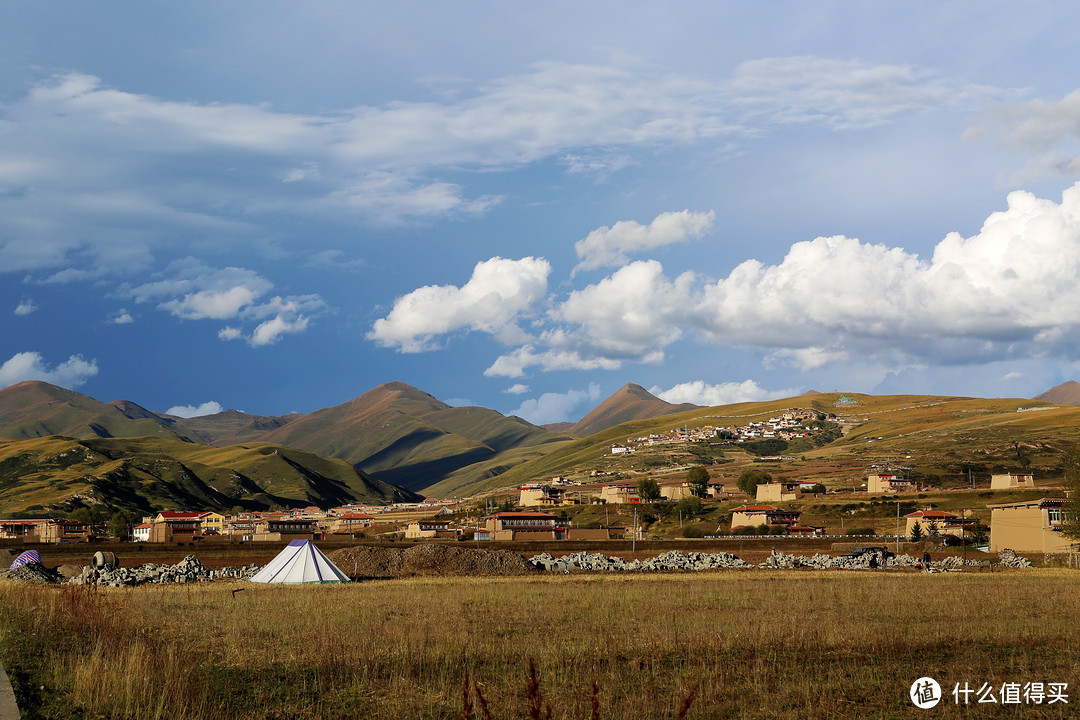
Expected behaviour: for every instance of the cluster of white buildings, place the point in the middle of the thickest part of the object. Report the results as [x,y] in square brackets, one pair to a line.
[786,426]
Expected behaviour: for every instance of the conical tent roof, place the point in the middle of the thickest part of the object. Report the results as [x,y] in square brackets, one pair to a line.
[300,562]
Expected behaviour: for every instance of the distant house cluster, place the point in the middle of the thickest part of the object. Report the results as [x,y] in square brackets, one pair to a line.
[788,425]
[182,527]
[616,493]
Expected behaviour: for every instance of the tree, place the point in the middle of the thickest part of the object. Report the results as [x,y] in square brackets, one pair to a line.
[691,506]
[1070,511]
[648,490]
[698,477]
[119,525]
[750,479]
[91,515]
[933,532]
[916,532]
[978,534]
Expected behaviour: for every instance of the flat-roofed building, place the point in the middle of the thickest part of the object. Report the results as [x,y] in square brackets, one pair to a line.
[524,526]
[755,515]
[285,529]
[887,482]
[778,492]
[1012,481]
[1031,526]
[946,523]
[620,494]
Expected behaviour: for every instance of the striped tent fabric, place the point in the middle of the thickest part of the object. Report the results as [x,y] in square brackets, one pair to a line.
[300,562]
[30,556]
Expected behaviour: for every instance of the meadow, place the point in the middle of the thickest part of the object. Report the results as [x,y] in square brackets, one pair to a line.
[750,644]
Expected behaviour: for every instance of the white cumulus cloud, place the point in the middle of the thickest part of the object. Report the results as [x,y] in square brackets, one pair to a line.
[1007,292]
[557,407]
[71,373]
[700,392]
[609,246]
[25,307]
[499,291]
[211,407]
[517,389]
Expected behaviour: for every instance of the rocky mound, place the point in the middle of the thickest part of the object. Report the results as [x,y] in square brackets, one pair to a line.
[187,570]
[31,573]
[676,561]
[428,559]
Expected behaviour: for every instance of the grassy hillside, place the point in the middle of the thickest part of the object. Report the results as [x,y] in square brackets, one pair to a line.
[37,409]
[409,438]
[148,474]
[937,439]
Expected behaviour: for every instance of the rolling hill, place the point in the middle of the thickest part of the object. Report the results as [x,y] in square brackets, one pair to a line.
[147,474]
[934,438]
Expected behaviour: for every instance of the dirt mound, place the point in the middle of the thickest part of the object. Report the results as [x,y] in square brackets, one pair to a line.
[449,560]
[368,562]
[428,559]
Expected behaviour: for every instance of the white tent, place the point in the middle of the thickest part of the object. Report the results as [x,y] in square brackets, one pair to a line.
[300,562]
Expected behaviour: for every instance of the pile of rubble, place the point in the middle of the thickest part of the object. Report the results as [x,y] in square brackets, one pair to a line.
[1007,558]
[428,559]
[32,574]
[694,561]
[669,561]
[186,571]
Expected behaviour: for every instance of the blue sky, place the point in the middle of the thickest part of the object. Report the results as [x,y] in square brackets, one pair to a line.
[275,207]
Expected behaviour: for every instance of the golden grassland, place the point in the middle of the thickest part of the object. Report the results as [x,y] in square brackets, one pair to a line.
[750,644]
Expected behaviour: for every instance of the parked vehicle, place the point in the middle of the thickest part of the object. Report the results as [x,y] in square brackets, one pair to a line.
[883,552]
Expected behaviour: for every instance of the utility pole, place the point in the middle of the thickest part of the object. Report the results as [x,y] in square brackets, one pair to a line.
[963,531]
[898,527]
[633,540]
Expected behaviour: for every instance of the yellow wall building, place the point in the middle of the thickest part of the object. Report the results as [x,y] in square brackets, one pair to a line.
[1032,526]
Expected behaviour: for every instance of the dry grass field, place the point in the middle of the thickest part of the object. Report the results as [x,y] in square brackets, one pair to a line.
[735,644]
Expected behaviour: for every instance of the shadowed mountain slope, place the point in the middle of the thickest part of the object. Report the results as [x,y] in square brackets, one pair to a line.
[147,474]
[408,437]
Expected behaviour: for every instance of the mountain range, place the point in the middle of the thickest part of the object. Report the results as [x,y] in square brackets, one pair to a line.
[403,436]
[390,443]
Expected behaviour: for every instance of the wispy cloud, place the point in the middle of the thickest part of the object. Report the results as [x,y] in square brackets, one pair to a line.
[610,246]
[191,290]
[211,407]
